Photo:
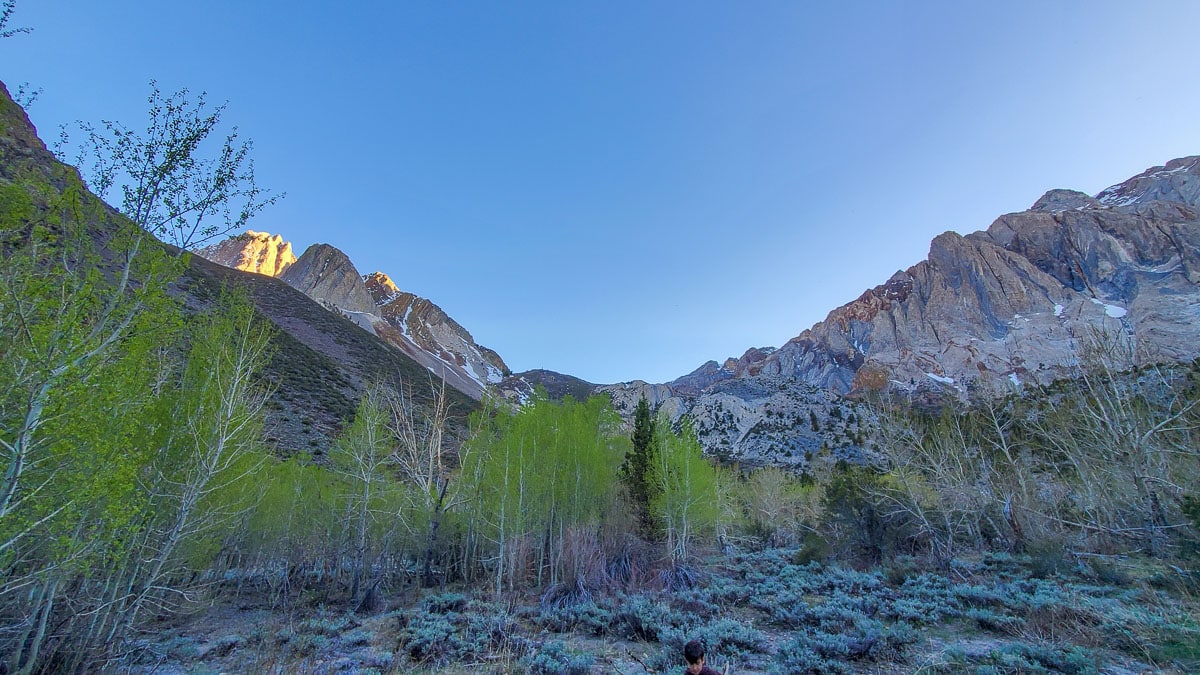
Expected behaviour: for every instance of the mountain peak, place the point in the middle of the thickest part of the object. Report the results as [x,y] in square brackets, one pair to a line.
[258,252]
[325,272]
[381,287]
[1176,181]
[1064,200]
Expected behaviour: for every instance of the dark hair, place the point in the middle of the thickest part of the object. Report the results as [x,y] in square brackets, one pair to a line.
[693,651]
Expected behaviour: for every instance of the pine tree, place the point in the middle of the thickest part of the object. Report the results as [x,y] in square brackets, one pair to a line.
[637,466]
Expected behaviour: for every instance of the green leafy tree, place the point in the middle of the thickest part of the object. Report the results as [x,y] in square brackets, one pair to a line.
[126,450]
[203,480]
[7,7]
[139,470]
[855,515]
[685,502]
[545,476]
[64,308]
[362,457]
[297,525]
[167,179]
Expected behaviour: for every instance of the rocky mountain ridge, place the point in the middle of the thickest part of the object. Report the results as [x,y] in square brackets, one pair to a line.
[414,325]
[987,313]
[1008,306]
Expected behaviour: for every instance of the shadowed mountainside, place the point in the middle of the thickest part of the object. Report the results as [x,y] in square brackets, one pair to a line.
[321,361]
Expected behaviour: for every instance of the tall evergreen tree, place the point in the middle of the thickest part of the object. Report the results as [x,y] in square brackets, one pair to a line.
[637,466]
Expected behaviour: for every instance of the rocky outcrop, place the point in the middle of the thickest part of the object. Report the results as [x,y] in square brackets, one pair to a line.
[251,251]
[422,329]
[759,420]
[1177,181]
[326,274]
[749,364]
[521,387]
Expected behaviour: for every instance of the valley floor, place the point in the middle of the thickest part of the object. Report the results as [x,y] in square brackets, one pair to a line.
[760,612]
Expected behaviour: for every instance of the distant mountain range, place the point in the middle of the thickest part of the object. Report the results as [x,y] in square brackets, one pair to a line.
[985,314]
[992,311]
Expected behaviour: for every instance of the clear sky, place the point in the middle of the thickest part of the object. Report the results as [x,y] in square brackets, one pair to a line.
[622,190]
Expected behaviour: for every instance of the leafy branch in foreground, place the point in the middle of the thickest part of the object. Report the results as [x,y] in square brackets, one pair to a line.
[7,7]
[25,95]
[168,180]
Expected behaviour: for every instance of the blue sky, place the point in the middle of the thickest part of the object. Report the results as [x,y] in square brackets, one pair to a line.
[622,190]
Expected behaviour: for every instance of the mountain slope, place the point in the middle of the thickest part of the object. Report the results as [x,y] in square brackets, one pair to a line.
[425,332]
[412,324]
[326,274]
[321,361]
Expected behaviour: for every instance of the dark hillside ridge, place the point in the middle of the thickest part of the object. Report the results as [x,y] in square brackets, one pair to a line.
[520,386]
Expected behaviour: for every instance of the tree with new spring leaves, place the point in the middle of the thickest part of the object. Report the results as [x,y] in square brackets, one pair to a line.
[25,95]
[684,485]
[6,10]
[543,477]
[168,179]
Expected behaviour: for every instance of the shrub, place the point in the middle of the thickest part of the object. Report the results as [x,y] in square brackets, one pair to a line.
[696,601]
[587,617]
[327,626]
[1026,658]
[358,637]
[723,640]
[644,619]
[552,658]
[307,644]
[434,638]
[446,602]
[796,658]
[990,620]
[1047,559]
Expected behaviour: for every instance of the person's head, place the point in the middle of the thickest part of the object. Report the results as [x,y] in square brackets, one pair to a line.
[693,652]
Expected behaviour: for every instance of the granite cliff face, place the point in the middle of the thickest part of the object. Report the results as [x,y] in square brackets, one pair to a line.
[1010,305]
[414,325]
[326,274]
[251,251]
[760,419]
